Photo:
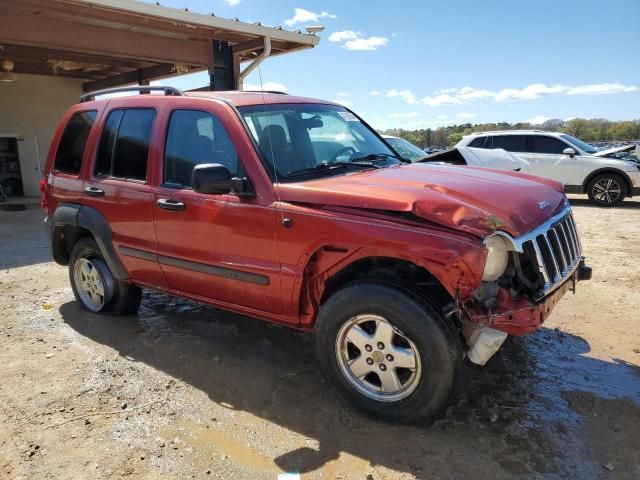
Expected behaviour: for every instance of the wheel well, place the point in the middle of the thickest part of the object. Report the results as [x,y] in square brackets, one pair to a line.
[64,238]
[391,270]
[603,171]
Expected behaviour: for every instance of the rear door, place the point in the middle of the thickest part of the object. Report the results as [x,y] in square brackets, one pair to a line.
[221,247]
[118,185]
[545,157]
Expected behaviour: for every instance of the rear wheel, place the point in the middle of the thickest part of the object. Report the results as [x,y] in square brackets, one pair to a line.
[607,190]
[95,287]
[387,351]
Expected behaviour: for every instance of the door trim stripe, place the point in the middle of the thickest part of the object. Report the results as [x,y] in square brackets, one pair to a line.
[137,253]
[223,272]
[217,271]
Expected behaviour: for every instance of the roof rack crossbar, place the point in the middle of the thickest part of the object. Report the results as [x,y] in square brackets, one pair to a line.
[141,88]
[276,92]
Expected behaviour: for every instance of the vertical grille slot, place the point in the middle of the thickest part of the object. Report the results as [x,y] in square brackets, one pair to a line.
[554,249]
[547,257]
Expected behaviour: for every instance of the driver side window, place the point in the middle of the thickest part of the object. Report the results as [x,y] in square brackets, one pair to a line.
[196,137]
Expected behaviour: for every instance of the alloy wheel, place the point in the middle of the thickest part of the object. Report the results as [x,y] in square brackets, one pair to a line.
[377,359]
[90,284]
[607,190]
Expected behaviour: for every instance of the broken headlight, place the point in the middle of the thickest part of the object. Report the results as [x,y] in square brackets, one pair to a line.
[497,258]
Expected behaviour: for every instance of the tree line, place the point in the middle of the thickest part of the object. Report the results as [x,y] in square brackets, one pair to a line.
[588,130]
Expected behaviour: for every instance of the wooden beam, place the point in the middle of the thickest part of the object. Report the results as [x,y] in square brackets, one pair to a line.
[136,76]
[33,54]
[71,36]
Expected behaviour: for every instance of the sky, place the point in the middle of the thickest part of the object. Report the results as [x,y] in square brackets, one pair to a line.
[423,64]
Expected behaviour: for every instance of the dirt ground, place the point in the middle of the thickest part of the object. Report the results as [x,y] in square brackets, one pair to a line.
[187,391]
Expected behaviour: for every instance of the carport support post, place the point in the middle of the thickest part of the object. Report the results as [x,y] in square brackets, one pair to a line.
[222,75]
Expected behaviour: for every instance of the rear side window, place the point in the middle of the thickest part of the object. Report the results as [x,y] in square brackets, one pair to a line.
[511,143]
[124,144]
[72,142]
[544,144]
[479,142]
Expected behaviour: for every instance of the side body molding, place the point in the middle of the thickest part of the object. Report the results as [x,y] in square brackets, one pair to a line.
[63,225]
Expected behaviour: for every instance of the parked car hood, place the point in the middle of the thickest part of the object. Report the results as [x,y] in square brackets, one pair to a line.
[470,199]
[612,151]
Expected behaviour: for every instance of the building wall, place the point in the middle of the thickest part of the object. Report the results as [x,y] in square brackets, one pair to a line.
[30,109]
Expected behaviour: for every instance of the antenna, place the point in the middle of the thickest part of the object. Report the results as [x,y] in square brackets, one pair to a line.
[273,157]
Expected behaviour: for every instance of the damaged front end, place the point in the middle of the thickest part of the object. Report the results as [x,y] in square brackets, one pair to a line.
[523,280]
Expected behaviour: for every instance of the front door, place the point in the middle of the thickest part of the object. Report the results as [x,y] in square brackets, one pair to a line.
[545,157]
[220,247]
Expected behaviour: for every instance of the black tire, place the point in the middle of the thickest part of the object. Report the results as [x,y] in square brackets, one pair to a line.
[607,190]
[120,298]
[435,339]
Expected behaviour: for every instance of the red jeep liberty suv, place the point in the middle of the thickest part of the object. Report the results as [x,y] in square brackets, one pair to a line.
[295,211]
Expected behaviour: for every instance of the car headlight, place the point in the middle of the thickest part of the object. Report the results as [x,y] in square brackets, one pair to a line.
[497,258]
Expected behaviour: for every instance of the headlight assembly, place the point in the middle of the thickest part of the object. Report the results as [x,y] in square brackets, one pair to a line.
[497,258]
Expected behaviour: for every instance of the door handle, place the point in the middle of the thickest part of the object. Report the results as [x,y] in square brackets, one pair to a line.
[94,192]
[169,204]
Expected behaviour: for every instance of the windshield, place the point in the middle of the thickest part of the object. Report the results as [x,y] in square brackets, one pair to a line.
[304,141]
[585,147]
[406,149]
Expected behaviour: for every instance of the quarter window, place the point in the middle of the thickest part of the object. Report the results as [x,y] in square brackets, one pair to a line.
[72,142]
[510,143]
[544,144]
[193,138]
[479,142]
[124,145]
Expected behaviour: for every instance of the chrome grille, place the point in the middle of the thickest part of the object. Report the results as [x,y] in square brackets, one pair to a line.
[556,247]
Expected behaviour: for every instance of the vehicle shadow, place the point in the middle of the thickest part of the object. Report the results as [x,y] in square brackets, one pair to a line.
[627,204]
[503,420]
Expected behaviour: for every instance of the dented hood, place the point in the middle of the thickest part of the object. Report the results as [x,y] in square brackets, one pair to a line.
[470,199]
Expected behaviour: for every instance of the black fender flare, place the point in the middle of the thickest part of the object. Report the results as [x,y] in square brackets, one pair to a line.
[72,215]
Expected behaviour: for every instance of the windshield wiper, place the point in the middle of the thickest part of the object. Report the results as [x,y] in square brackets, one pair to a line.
[380,156]
[324,166]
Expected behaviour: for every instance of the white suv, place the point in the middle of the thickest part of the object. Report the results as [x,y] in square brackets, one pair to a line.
[562,157]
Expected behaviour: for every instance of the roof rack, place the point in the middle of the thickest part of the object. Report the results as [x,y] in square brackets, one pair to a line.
[276,92]
[140,88]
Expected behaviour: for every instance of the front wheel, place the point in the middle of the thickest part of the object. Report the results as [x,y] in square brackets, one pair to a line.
[607,190]
[388,351]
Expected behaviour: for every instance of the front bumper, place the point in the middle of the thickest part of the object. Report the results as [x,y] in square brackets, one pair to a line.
[520,316]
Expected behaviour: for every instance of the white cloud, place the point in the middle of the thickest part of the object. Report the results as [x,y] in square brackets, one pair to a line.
[404,115]
[407,95]
[342,101]
[442,99]
[466,115]
[466,95]
[371,43]
[469,93]
[442,116]
[343,94]
[267,86]
[374,93]
[601,89]
[343,36]
[538,120]
[232,3]
[303,16]
[530,92]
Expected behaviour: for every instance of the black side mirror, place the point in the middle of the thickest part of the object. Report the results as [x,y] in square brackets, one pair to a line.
[215,179]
